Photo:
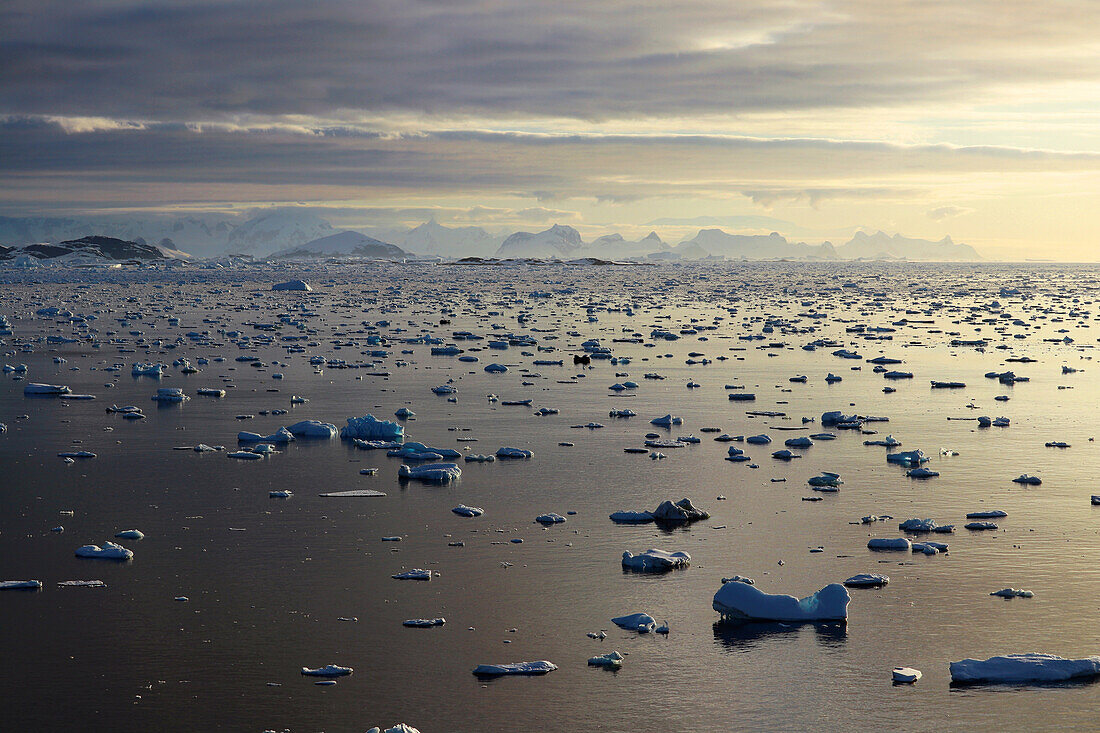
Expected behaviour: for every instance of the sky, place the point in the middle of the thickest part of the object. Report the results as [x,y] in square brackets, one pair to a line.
[974,119]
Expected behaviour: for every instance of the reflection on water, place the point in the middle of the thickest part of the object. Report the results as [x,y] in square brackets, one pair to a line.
[748,637]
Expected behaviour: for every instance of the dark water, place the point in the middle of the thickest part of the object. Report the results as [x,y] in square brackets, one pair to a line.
[268,580]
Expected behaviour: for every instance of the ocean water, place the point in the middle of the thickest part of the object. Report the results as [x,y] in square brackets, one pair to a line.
[269,580]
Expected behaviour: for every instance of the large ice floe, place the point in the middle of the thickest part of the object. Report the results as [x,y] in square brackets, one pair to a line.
[45,389]
[682,511]
[1023,668]
[438,473]
[742,603]
[109,551]
[514,668]
[655,561]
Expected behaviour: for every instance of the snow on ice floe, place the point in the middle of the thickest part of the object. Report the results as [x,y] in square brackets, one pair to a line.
[329,670]
[655,560]
[439,473]
[109,551]
[1023,669]
[514,668]
[369,427]
[741,602]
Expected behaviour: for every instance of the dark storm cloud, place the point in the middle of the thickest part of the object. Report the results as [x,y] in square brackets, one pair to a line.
[187,60]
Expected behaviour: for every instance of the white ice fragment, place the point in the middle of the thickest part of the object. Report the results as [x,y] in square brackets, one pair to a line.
[109,551]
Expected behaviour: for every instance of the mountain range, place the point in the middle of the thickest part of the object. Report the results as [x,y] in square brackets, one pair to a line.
[290,233]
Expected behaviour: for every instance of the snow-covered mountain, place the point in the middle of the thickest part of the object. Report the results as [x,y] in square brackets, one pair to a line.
[277,230]
[342,244]
[558,241]
[879,246]
[432,238]
[615,247]
[92,248]
[756,246]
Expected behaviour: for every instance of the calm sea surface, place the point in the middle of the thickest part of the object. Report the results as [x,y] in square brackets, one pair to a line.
[269,580]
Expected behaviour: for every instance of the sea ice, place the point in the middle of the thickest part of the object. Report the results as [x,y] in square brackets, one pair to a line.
[655,560]
[1023,668]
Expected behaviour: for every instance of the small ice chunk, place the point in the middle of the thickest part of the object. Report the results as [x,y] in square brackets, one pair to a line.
[130,534]
[20,584]
[468,511]
[906,675]
[550,518]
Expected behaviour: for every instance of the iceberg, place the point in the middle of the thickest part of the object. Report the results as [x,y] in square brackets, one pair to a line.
[867,580]
[632,517]
[369,427]
[312,429]
[655,560]
[20,584]
[507,452]
[439,473]
[293,285]
[170,394]
[611,660]
[414,574]
[514,668]
[424,623]
[882,543]
[329,670]
[1023,668]
[740,603]
[550,518]
[109,551]
[46,389]
[667,421]
[468,511]
[147,370]
[909,458]
[641,622]
[130,534]
[680,511]
[280,436]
